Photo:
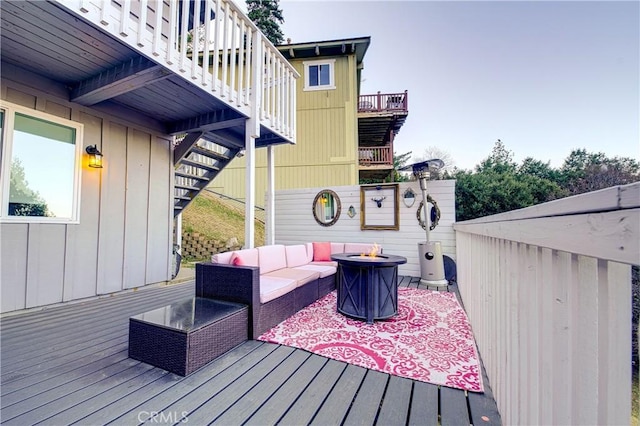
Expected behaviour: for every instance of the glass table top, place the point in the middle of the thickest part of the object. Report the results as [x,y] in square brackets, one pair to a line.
[189,314]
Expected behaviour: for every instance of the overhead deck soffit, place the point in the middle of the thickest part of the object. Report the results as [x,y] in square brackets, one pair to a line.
[374,172]
[98,70]
[374,128]
[357,46]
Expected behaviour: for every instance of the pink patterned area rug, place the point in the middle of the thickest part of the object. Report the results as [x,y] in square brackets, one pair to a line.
[430,339]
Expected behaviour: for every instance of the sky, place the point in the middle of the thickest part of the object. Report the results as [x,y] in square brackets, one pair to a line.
[544,77]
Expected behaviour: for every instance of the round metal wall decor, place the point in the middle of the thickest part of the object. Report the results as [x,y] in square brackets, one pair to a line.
[326,207]
[434,213]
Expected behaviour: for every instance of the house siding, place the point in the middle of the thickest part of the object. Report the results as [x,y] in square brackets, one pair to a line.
[123,239]
[327,142]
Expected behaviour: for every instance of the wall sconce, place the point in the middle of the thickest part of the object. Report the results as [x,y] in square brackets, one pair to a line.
[95,157]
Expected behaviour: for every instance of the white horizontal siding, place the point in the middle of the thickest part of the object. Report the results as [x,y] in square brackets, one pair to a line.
[294,221]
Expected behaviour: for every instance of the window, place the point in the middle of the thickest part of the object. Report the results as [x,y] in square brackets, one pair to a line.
[41,163]
[318,75]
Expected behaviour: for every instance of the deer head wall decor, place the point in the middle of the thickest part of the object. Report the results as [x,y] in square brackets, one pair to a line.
[378,201]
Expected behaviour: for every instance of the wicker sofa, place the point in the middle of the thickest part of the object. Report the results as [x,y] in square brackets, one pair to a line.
[275,281]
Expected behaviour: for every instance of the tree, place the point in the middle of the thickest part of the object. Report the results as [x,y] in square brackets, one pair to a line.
[499,185]
[267,16]
[435,152]
[24,201]
[584,172]
[500,160]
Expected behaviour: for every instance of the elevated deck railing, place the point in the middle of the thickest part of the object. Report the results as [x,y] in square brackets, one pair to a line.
[548,293]
[380,102]
[375,155]
[239,65]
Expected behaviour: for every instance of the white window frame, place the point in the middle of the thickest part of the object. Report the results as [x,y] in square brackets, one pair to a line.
[10,110]
[332,81]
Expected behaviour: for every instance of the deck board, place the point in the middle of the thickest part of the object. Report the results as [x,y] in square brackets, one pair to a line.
[395,406]
[453,407]
[287,394]
[69,363]
[424,404]
[367,401]
[312,398]
[339,399]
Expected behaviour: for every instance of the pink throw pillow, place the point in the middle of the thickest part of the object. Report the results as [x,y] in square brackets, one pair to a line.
[236,260]
[321,252]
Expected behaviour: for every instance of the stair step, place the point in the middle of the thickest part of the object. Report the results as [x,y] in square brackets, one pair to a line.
[199,165]
[182,198]
[187,187]
[190,176]
[196,149]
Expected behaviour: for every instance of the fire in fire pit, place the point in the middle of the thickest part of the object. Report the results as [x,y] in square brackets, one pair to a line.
[373,252]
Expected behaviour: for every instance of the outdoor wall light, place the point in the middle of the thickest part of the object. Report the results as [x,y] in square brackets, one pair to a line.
[95,157]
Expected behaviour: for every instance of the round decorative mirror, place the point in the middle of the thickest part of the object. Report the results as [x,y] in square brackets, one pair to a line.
[434,213]
[409,197]
[326,207]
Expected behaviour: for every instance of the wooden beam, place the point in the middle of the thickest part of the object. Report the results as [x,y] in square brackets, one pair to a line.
[123,78]
[182,150]
[213,120]
[226,139]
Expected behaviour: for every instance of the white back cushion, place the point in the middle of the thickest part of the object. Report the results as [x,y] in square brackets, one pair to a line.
[271,258]
[296,255]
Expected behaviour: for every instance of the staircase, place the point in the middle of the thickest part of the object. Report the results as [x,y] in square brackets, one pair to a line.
[197,162]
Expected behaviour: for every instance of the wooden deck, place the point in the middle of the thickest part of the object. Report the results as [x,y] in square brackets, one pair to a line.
[69,364]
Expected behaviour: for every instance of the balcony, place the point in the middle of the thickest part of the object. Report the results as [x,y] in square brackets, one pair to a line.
[375,162]
[380,117]
[135,58]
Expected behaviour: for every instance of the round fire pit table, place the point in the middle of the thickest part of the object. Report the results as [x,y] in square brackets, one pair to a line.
[368,286]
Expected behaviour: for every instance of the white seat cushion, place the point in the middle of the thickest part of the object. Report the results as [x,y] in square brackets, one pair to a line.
[301,276]
[274,287]
[323,270]
[325,263]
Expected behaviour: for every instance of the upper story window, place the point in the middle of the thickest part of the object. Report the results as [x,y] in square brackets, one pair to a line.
[319,75]
[41,163]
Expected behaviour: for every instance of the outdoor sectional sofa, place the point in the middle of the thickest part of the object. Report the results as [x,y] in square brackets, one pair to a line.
[275,281]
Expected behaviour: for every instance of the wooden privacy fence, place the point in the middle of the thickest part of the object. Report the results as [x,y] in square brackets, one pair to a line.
[548,293]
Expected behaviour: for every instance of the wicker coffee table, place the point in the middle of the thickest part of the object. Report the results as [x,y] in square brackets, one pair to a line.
[184,336]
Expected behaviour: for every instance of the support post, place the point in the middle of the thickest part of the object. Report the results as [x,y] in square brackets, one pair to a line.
[250,185]
[252,132]
[271,204]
